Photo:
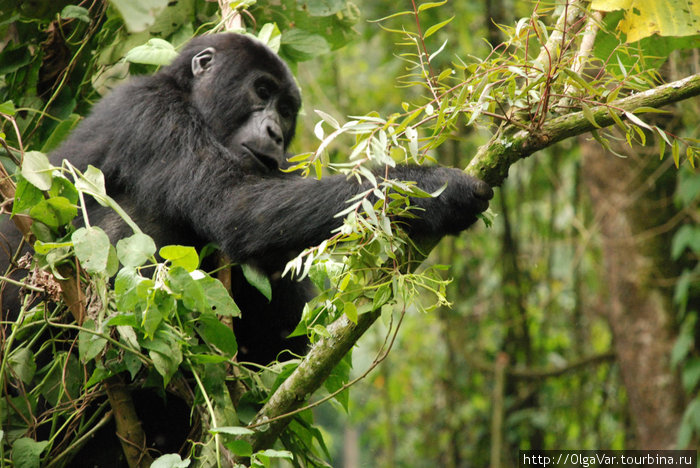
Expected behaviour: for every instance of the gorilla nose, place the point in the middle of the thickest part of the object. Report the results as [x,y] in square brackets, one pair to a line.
[275,133]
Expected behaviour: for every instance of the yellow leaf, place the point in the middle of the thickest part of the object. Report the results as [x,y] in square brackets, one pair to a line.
[646,17]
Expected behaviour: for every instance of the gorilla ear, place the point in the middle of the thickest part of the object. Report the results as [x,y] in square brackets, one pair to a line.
[202,61]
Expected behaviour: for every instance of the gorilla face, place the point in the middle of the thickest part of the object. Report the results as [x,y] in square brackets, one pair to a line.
[247,96]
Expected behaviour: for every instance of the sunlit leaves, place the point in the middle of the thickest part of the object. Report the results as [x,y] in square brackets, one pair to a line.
[36,169]
[133,251]
[436,27]
[271,36]
[92,247]
[154,52]
[138,15]
[180,255]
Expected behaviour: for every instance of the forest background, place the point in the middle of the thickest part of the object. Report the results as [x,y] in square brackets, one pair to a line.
[573,318]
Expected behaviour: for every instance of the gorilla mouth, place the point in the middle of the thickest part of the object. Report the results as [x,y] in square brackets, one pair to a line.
[266,161]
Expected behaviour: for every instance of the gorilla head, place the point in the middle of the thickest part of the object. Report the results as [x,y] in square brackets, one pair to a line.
[226,69]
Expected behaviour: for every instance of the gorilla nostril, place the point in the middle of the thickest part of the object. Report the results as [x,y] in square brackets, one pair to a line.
[275,134]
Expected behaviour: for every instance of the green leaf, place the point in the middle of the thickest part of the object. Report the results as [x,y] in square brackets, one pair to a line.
[138,15]
[54,212]
[170,460]
[14,58]
[161,305]
[191,292]
[216,334]
[165,366]
[60,132]
[26,196]
[350,310]
[89,344]
[218,297]
[180,255]
[258,279]
[154,52]
[301,45]
[232,430]
[271,36]
[7,108]
[691,374]
[339,376]
[381,296]
[133,251]
[37,169]
[26,452]
[131,289]
[92,182]
[64,378]
[165,353]
[62,187]
[240,448]
[588,114]
[681,348]
[427,6]
[688,236]
[436,27]
[23,365]
[276,454]
[77,12]
[675,152]
[112,262]
[92,248]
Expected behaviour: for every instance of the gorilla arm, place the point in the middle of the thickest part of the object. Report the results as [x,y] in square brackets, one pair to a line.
[272,217]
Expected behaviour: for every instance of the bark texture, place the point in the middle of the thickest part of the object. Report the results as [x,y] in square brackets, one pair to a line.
[632,203]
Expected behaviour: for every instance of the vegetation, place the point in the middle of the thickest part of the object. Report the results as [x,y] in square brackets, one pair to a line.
[571,321]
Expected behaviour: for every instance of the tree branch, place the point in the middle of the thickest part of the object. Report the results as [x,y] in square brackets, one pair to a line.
[510,144]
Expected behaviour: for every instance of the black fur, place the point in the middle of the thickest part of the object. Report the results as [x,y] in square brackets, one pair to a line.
[192,153]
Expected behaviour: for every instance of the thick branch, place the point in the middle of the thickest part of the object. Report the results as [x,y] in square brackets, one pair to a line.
[492,161]
[491,164]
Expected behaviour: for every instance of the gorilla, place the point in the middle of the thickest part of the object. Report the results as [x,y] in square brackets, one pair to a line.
[193,153]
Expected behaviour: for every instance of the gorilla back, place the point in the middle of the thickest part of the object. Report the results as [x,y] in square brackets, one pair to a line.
[193,154]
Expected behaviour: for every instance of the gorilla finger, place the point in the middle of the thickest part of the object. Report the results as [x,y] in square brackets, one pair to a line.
[482,190]
[481,205]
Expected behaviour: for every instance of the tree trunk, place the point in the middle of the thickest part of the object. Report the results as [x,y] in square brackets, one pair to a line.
[632,203]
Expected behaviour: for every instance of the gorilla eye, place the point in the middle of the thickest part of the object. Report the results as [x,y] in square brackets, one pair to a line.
[263,91]
[285,110]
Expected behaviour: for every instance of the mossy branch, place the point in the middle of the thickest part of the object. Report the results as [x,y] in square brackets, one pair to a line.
[491,164]
[510,143]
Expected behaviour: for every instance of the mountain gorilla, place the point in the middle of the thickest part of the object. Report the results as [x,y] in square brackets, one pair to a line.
[193,154]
